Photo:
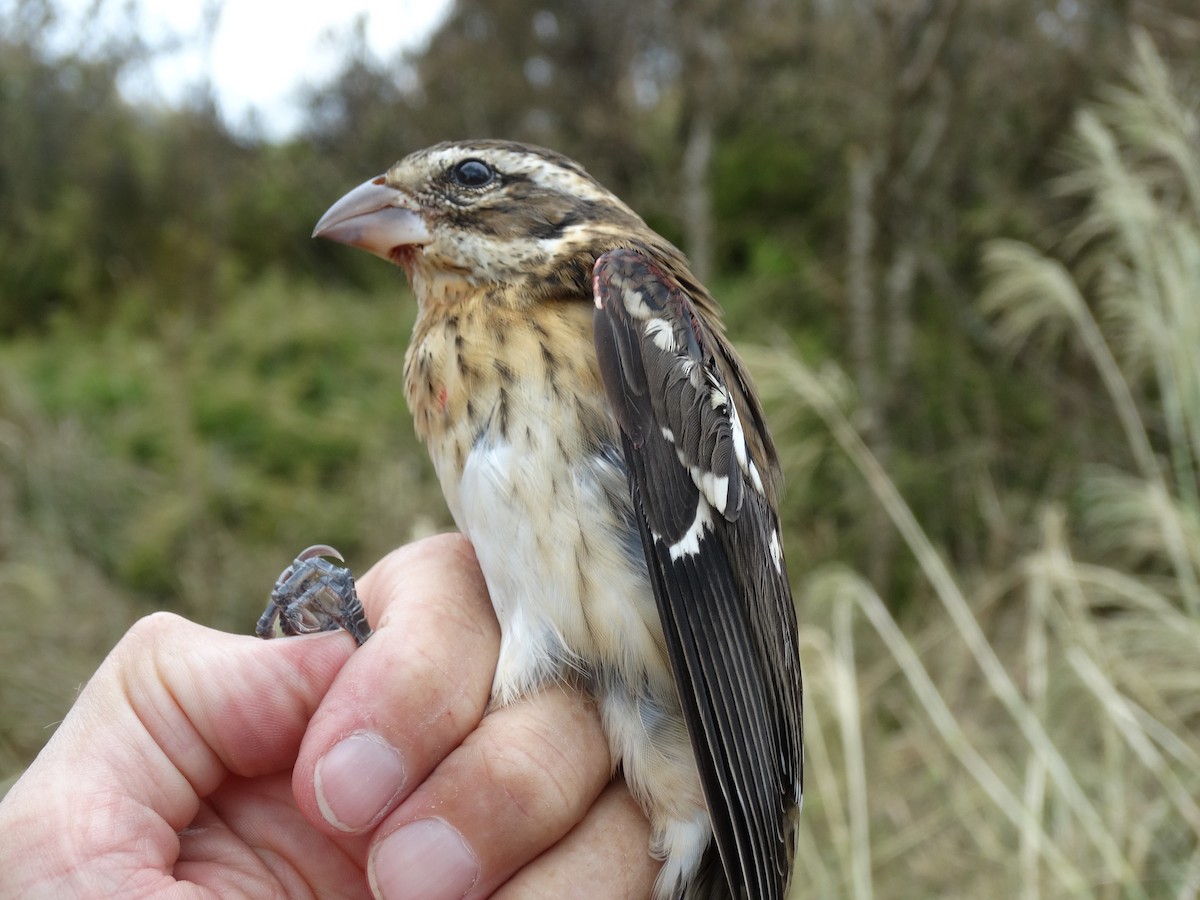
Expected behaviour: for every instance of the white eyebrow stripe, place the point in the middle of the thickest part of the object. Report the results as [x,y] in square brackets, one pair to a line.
[540,170]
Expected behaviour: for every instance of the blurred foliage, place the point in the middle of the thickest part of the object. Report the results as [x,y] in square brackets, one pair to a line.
[183,468]
[191,390]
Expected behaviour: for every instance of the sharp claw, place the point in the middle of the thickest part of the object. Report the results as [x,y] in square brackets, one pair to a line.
[319,550]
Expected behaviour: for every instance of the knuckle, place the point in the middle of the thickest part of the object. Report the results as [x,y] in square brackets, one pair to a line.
[157,627]
[534,766]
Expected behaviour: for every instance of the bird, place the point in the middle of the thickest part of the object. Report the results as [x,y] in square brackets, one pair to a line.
[600,443]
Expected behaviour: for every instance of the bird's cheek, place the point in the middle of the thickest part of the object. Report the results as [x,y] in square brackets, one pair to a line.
[456,254]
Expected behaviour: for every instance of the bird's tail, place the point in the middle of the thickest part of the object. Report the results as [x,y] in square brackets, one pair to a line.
[710,882]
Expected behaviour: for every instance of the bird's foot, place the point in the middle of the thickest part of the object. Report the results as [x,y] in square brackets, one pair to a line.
[314,594]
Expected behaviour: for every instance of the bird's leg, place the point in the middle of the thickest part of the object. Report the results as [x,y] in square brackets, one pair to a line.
[313,594]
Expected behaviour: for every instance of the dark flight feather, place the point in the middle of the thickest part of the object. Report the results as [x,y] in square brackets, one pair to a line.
[700,484]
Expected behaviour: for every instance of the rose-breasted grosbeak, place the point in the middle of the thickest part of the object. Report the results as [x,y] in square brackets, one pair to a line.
[599,442]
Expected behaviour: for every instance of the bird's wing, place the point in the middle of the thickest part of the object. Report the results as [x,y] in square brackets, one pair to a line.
[712,545]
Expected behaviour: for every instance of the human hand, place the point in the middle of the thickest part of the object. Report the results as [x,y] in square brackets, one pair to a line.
[197,763]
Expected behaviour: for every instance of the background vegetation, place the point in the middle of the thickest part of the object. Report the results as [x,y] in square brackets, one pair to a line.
[960,242]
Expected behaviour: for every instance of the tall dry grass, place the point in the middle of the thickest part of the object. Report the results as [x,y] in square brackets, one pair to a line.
[1035,733]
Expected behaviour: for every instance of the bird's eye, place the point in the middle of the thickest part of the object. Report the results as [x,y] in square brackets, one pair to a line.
[472,173]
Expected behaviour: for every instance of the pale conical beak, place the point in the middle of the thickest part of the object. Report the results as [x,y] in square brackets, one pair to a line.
[375,217]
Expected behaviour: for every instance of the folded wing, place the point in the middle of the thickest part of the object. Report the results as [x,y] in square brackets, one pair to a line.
[700,484]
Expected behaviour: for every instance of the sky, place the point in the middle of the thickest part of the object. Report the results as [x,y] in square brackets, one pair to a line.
[261,50]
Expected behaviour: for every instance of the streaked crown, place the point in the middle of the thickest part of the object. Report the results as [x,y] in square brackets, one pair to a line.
[499,212]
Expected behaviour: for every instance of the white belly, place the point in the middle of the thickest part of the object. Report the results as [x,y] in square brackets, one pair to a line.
[564,568]
[567,576]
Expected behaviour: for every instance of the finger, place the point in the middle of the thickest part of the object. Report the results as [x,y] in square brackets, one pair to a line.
[170,714]
[605,856]
[515,787]
[410,694]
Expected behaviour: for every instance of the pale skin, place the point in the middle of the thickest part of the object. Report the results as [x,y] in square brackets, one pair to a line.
[202,764]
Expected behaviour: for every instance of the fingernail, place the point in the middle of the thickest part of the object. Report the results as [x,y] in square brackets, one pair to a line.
[358,781]
[425,859]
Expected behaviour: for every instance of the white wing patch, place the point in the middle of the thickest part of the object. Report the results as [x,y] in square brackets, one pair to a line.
[689,544]
[752,470]
[662,334]
[776,551]
[635,303]
[714,488]
[742,452]
[739,438]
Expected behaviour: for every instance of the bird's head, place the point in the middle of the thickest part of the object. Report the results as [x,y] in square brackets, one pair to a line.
[488,213]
